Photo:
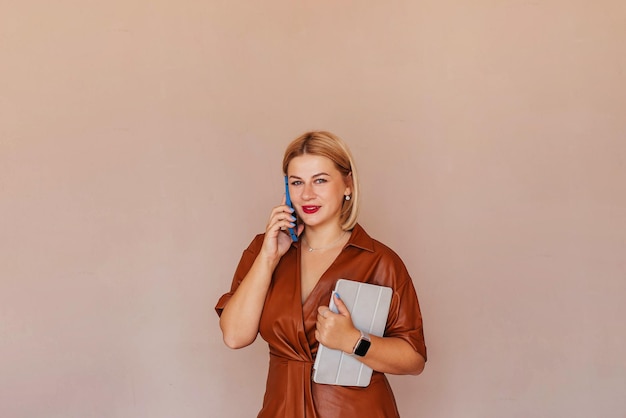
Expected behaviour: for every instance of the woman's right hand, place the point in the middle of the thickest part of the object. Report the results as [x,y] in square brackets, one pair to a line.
[242,314]
[277,240]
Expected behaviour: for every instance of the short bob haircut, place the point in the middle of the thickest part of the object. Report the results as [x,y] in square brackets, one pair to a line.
[328,145]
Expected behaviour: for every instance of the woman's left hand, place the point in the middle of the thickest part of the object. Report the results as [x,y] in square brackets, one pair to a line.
[335,330]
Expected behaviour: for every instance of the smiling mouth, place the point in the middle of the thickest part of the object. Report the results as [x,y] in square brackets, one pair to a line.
[310,209]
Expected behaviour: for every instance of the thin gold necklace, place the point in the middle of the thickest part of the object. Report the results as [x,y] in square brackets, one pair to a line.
[332,244]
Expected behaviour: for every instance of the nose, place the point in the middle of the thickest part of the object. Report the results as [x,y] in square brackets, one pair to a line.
[307,192]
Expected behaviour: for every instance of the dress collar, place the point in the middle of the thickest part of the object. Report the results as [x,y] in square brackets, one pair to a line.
[359,238]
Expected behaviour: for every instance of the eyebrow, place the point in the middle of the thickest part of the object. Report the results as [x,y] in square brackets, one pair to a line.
[313,176]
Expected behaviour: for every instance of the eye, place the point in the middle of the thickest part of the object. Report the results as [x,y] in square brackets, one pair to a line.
[296,183]
[320,181]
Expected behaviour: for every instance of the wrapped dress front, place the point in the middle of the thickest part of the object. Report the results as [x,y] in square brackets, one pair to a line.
[288,326]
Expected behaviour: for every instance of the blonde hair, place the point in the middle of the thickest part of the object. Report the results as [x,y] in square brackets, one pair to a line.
[328,145]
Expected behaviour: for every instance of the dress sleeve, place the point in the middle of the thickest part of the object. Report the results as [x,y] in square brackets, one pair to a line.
[405,318]
[247,259]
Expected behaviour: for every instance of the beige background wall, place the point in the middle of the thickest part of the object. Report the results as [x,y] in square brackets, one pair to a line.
[140,148]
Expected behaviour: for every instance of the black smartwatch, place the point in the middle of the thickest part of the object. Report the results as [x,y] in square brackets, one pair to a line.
[361,346]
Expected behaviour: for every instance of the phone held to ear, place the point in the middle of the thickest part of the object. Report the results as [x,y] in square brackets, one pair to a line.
[292,231]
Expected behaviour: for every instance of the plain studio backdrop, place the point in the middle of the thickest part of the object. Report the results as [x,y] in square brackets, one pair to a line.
[140,150]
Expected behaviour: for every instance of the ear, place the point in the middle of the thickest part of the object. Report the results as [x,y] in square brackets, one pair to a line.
[348,181]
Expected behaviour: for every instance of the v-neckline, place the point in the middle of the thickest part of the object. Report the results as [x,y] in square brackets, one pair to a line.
[306,308]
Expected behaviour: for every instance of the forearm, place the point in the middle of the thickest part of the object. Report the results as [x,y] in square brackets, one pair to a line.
[390,355]
[394,356]
[385,354]
[241,315]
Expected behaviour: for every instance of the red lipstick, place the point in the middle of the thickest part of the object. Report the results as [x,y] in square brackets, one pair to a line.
[310,209]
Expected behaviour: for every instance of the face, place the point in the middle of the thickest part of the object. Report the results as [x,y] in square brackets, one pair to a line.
[317,189]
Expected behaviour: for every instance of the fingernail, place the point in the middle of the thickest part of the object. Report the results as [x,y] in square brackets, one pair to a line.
[337,294]
[291,224]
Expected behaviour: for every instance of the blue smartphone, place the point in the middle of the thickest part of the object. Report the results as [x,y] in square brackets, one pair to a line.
[292,231]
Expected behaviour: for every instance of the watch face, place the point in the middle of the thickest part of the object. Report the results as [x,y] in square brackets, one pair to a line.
[362,348]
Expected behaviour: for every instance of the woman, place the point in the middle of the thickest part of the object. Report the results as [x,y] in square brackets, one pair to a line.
[281,289]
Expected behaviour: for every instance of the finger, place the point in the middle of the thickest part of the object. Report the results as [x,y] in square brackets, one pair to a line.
[283,205]
[300,229]
[282,225]
[279,214]
[282,218]
[343,309]
[323,310]
[282,212]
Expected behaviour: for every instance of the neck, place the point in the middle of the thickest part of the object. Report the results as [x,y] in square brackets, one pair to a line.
[317,237]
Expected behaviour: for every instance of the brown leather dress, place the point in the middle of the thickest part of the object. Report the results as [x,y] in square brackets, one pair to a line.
[288,326]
